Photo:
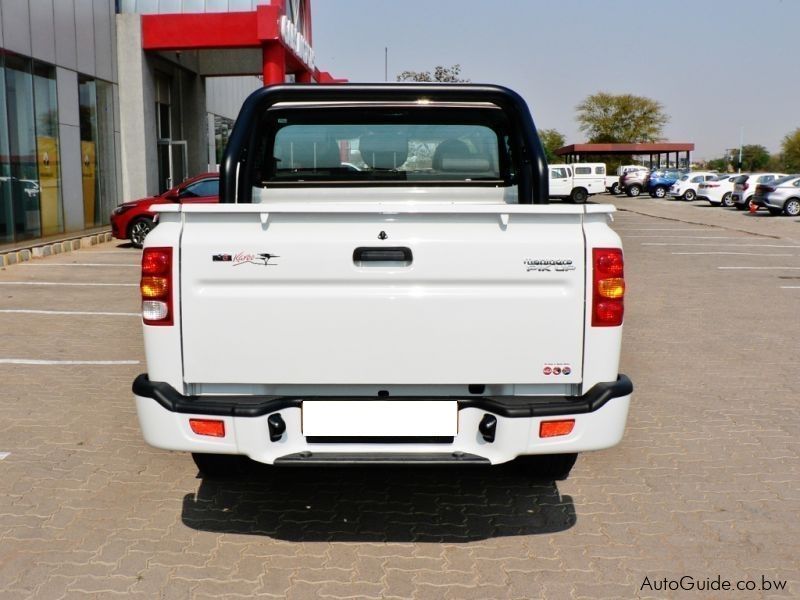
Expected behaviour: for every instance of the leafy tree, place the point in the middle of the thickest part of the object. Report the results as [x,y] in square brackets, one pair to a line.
[621,118]
[790,148]
[440,74]
[552,140]
[718,164]
[754,157]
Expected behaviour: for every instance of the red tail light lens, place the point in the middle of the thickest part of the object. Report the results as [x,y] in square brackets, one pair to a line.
[608,292]
[745,186]
[156,286]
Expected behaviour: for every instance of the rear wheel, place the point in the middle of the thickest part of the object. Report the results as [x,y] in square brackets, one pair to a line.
[615,189]
[548,467]
[792,207]
[660,192]
[727,200]
[634,190]
[221,466]
[579,195]
[689,195]
[139,230]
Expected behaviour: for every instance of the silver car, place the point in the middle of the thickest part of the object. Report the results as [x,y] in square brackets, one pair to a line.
[780,196]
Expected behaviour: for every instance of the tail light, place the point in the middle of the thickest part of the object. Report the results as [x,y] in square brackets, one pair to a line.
[745,186]
[156,286]
[609,287]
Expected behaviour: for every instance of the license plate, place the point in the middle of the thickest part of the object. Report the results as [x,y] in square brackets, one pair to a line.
[380,418]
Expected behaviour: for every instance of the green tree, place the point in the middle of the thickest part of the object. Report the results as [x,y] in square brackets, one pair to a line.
[790,148]
[621,118]
[718,164]
[754,157]
[440,74]
[552,140]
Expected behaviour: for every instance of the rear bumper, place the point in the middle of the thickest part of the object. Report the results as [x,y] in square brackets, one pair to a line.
[506,406]
[599,415]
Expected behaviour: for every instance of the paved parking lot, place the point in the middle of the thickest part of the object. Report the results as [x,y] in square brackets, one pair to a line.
[706,481]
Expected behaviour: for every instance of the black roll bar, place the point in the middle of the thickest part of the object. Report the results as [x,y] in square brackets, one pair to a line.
[532,185]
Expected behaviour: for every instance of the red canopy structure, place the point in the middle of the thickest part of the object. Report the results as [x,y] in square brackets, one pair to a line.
[655,151]
[273,41]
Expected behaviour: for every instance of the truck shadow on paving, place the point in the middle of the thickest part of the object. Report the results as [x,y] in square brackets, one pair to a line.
[372,504]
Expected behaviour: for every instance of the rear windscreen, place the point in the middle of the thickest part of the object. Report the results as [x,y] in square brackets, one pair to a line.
[384,145]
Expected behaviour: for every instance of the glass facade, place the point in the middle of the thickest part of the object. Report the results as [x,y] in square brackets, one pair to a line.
[22,181]
[106,160]
[87,107]
[47,149]
[31,194]
[31,202]
[6,214]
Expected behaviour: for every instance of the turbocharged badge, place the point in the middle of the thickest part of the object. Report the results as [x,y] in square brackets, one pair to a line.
[548,264]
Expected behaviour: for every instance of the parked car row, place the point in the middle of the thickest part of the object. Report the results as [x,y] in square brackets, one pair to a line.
[777,192]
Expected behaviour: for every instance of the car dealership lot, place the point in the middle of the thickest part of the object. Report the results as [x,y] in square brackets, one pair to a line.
[706,481]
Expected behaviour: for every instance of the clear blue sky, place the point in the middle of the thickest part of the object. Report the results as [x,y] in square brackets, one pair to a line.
[715,65]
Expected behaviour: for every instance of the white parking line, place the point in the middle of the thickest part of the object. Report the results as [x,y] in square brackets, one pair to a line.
[790,287]
[4,455]
[32,361]
[723,253]
[128,265]
[759,268]
[27,311]
[690,237]
[71,284]
[717,245]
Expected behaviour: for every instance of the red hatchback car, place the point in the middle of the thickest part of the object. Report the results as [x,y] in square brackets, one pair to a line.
[133,220]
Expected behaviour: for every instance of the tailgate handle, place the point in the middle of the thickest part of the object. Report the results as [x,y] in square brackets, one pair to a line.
[401,255]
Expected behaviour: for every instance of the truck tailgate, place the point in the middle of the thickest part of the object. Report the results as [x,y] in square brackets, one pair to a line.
[484,294]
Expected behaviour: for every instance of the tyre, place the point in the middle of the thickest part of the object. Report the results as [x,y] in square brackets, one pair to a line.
[221,466]
[615,189]
[727,200]
[634,190]
[139,230]
[792,207]
[690,195]
[548,467]
[660,192]
[774,211]
[579,195]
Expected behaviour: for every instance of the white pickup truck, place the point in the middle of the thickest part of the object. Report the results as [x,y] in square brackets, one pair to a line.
[434,311]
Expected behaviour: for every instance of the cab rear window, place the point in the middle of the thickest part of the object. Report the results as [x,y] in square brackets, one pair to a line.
[401,145]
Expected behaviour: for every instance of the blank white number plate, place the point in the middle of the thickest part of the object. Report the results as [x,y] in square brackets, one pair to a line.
[353,418]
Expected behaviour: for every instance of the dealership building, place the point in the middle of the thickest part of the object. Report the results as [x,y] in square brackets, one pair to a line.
[103,101]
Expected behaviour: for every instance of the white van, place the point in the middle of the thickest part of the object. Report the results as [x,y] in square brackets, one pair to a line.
[578,181]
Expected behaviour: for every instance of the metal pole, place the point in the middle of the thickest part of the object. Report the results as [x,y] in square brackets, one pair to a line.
[386,63]
[741,144]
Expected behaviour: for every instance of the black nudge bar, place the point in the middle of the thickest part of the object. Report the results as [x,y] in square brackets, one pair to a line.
[236,170]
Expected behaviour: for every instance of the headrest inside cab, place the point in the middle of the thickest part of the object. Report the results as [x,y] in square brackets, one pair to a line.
[383,151]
